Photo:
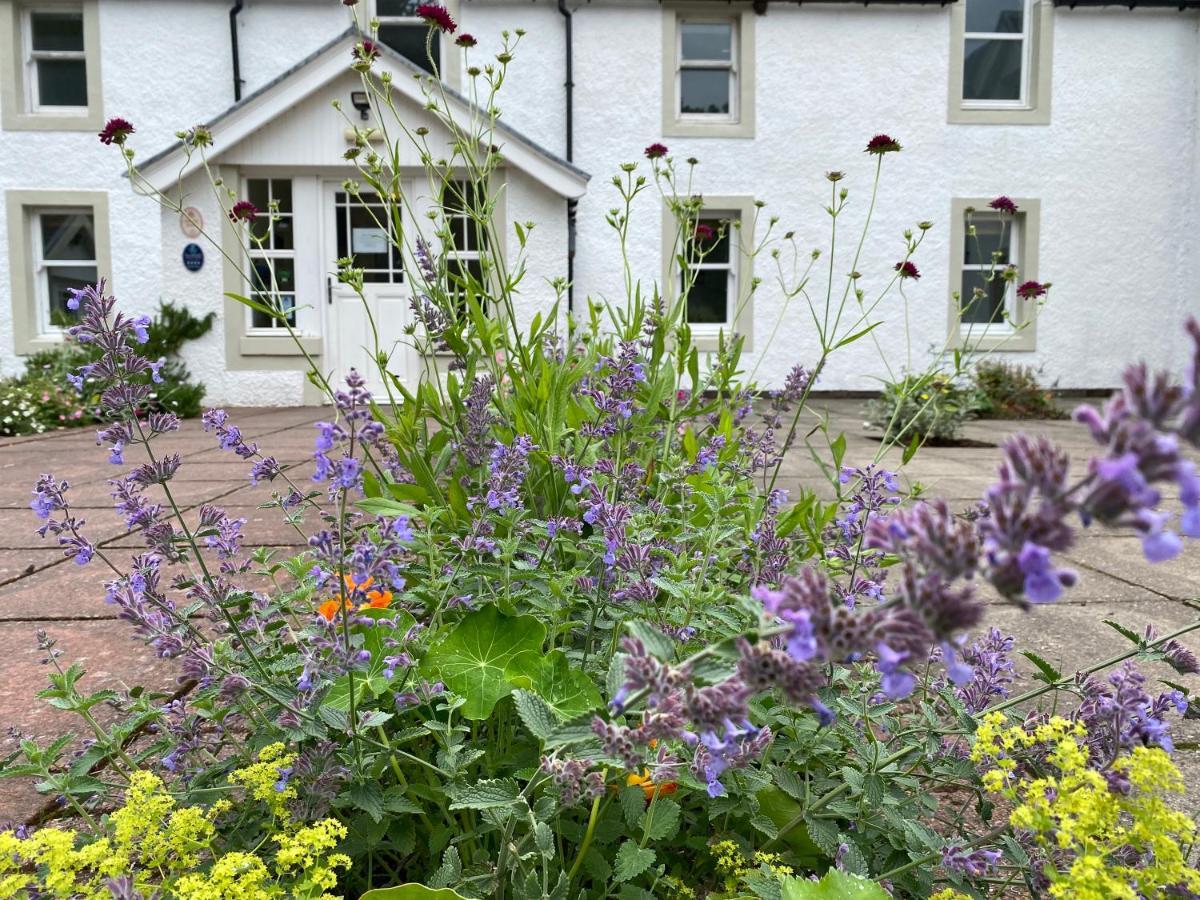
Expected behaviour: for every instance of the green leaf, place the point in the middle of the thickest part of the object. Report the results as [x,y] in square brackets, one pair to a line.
[838,449]
[491,793]
[1124,632]
[568,691]
[665,822]
[659,645]
[536,714]
[365,795]
[836,885]
[910,451]
[632,861]
[472,658]
[854,337]
[384,506]
[1046,672]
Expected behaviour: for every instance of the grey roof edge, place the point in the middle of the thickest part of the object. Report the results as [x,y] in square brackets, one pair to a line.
[395,57]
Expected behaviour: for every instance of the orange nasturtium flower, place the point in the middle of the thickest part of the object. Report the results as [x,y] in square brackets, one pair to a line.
[649,788]
[376,599]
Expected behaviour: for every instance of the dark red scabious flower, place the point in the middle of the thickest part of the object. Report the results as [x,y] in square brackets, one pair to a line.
[1031,290]
[349,2]
[115,131]
[366,51]
[243,211]
[908,269]
[704,233]
[882,143]
[1003,204]
[437,17]
[656,151]
[466,40]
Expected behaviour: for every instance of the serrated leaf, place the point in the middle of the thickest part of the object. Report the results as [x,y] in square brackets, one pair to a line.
[1124,632]
[633,805]
[660,646]
[665,821]
[1046,672]
[366,796]
[535,714]
[492,793]
[473,657]
[836,885]
[632,861]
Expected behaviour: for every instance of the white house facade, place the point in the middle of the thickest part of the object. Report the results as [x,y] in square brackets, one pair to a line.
[1085,113]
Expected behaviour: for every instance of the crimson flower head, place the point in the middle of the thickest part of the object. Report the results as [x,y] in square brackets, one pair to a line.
[1031,290]
[882,143]
[466,40]
[243,211]
[349,2]
[908,269]
[436,16]
[115,131]
[1003,204]
[365,52]
[704,233]
[656,151]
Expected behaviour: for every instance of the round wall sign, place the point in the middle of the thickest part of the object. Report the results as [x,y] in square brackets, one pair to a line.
[193,257]
[191,222]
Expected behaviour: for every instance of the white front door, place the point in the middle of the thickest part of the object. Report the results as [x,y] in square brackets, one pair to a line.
[360,328]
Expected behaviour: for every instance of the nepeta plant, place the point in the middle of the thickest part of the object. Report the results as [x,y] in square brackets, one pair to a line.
[555,631]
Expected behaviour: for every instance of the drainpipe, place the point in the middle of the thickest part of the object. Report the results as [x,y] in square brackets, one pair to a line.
[233,44]
[572,205]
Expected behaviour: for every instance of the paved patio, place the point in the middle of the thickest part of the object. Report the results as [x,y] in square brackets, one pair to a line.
[39,589]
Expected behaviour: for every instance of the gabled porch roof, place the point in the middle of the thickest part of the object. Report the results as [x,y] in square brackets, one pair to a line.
[319,69]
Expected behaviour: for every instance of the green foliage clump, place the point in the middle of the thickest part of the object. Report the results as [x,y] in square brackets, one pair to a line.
[1010,391]
[42,400]
[927,407]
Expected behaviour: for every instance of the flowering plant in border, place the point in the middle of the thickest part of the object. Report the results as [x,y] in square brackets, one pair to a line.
[558,629]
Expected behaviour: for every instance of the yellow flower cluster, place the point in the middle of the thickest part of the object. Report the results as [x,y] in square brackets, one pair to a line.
[261,779]
[169,848]
[1088,829]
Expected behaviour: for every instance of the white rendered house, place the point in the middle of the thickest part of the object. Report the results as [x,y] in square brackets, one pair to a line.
[1082,111]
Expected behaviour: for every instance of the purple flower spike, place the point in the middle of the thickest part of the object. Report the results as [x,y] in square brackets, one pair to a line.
[1042,581]
[896,682]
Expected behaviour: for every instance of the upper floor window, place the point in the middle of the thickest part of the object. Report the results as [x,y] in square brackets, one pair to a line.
[707,68]
[56,63]
[1000,61]
[401,29]
[996,51]
[54,81]
[708,73]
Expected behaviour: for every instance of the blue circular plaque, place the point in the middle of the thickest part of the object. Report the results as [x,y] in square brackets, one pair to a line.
[193,257]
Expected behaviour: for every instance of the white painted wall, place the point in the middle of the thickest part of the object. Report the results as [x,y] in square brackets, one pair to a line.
[1117,170]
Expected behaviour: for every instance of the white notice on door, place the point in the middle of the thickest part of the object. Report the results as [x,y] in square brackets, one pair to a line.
[368,240]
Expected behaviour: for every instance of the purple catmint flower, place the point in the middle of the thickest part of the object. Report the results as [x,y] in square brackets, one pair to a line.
[975,863]
[992,671]
[896,682]
[1043,583]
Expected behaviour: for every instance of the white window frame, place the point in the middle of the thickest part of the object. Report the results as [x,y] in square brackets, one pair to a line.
[470,231]
[31,57]
[730,221]
[1025,36]
[1018,332]
[396,273]
[42,266]
[269,253]
[731,66]
[1012,229]
[450,61]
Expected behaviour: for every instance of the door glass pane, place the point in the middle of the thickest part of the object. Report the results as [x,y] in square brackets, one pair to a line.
[707,41]
[57,31]
[68,236]
[396,7]
[992,69]
[58,280]
[989,307]
[991,235]
[708,300]
[995,15]
[409,42]
[258,192]
[704,91]
[62,82]
[287,303]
